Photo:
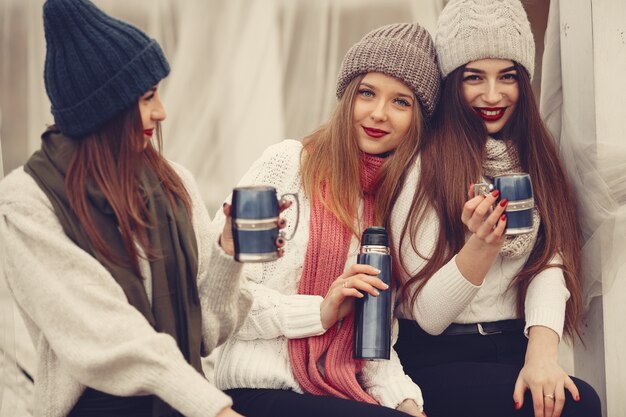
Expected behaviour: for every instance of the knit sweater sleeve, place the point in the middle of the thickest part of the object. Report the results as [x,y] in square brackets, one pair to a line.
[277,310]
[546,298]
[77,310]
[224,295]
[447,293]
[387,383]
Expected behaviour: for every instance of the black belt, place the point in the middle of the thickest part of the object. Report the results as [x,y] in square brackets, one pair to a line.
[485,329]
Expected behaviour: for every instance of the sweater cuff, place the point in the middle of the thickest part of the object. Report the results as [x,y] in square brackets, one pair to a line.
[459,289]
[190,393]
[391,395]
[302,316]
[224,277]
[547,317]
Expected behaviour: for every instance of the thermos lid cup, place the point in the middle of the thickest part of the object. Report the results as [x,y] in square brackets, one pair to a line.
[514,187]
[375,236]
[255,202]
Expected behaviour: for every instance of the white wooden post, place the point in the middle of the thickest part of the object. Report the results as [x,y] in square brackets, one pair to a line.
[609,58]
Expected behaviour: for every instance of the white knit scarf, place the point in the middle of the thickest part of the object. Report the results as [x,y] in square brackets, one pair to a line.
[501,159]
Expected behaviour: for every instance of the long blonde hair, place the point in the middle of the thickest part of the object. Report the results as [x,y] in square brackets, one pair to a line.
[331,157]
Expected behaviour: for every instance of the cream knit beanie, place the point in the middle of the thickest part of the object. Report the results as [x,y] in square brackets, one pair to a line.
[402,50]
[469,30]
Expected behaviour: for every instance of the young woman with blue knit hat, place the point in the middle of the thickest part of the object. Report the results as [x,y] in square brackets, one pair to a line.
[483,313]
[107,245]
[294,353]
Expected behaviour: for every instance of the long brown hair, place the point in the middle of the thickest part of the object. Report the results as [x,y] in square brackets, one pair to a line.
[331,156]
[111,159]
[451,159]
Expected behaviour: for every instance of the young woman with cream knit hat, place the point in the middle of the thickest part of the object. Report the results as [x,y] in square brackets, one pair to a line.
[484,312]
[293,355]
[106,246]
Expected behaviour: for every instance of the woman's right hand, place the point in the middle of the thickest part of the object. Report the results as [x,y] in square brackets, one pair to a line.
[228,412]
[487,224]
[484,220]
[339,299]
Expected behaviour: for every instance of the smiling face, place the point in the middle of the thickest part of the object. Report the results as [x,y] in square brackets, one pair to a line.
[152,112]
[491,88]
[382,113]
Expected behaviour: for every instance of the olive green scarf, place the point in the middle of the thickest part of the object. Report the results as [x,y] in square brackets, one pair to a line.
[175,308]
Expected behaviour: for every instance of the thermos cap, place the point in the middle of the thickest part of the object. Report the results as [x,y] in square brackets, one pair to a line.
[376,236]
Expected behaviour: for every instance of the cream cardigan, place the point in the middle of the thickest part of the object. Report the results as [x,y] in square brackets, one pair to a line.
[84,330]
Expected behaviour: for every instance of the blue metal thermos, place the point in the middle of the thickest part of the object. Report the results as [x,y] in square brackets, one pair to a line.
[372,315]
[518,190]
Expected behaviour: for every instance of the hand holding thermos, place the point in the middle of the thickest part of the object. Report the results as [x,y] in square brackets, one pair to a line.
[368,282]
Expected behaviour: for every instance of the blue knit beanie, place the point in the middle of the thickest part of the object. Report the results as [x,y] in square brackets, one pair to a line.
[96,66]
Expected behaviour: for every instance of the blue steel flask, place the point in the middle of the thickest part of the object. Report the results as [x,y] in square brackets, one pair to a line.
[372,315]
[518,190]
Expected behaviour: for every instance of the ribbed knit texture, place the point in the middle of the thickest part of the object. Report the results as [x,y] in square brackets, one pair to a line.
[96,66]
[86,332]
[469,30]
[326,256]
[404,51]
[450,298]
[502,159]
[258,355]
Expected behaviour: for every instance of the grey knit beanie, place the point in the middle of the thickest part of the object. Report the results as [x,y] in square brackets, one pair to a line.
[469,30]
[96,66]
[401,50]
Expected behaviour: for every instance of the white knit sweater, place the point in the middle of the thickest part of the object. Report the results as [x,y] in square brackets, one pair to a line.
[257,357]
[449,298]
[84,330]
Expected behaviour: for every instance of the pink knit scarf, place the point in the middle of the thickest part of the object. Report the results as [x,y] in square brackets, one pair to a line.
[326,255]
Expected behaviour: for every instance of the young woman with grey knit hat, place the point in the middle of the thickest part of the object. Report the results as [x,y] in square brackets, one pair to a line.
[483,313]
[294,354]
[106,244]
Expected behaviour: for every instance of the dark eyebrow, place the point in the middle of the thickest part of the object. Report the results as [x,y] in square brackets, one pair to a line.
[479,71]
[374,88]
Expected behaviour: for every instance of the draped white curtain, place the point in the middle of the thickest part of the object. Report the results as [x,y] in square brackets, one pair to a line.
[245,74]
[582,102]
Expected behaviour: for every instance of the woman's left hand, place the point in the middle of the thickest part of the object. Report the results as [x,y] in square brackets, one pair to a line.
[543,376]
[409,407]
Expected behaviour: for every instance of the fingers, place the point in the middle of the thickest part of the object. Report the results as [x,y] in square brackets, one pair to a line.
[549,400]
[284,204]
[537,394]
[481,217]
[226,208]
[572,388]
[559,400]
[518,393]
[363,283]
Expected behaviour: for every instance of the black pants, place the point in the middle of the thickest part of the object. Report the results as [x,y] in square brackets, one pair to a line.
[284,403]
[474,375]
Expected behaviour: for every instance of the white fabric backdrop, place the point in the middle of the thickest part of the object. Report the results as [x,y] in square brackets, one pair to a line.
[245,74]
[574,101]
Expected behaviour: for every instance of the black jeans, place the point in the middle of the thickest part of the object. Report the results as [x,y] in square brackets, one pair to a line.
[472,375]
[283,403]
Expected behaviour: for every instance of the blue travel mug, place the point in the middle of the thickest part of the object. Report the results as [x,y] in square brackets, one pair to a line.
[372,315]
[518,190]
[254,213]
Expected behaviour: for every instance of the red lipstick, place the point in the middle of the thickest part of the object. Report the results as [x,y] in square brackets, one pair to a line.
[148,132]
[490,114]
[374,133]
